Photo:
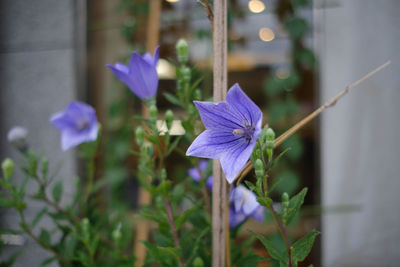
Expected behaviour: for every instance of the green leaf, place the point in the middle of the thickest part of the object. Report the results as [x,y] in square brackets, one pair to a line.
[45,236]
[172,99]
[184,217]
[39,216]
[57,191]
[296,27]
[306,57]
[294,205]
[48,261]
[166,256]
[269,245]
[302,247]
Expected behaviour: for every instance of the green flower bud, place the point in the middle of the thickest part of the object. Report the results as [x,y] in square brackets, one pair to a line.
[139,135]
[259,168]
[163,174]
[153,112]
[116,234]
[169,117]
[198,262]
[186,74]
[182,50]
[7,167]
[191,110]
[85,224]
[197,94]
[270,138]
[285,198]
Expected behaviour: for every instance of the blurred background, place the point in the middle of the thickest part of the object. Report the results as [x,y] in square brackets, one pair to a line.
[289,56]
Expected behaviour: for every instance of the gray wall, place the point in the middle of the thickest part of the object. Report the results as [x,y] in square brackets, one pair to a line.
[360,135]
[42,57]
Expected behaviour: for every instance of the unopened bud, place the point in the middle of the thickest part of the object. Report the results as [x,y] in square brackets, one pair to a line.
[197,94]
[153,112]
[182,50]
[85,226]
[186,74]
[163,174]
[270,138]
[285,198]
[116,234]
[139,135]
[198,262]
[259,168]
[17,137]
[169,117]
[7,167]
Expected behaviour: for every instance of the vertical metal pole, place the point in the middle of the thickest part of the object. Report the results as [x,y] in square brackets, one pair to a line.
[219,193]
[153,32]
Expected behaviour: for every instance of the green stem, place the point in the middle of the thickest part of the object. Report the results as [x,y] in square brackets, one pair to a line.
[47,247]
[282,228]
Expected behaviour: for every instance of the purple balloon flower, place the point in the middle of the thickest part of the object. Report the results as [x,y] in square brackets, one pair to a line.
[77,124]
[197,173]
[232,129]
[244,205]
[141,74]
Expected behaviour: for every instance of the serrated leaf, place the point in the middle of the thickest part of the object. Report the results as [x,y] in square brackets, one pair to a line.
[57,191]
[302,247]
[172,99]
[269,245]
[294,205]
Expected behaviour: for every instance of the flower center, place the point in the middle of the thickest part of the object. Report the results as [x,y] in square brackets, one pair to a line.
[82,124]
[246,132]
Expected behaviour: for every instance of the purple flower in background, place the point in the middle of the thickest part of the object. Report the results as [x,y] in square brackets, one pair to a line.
[77,124]
[232,129]
[243,205]
[209,183]
[198,172]
[141,74]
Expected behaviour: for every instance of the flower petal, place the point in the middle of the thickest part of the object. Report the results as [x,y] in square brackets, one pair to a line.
[235,157]
[219,116]
[212,144]
[195,174]
[259,213]
[143,78]
[238,100]
[119,73]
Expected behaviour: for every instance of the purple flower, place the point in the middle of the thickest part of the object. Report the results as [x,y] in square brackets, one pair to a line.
[141,74]
[209,183]
[243,205]
[232,129]
[198,172]
[77,124]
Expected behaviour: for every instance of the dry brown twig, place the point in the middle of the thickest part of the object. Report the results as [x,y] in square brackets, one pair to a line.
[207,6]
[247,168]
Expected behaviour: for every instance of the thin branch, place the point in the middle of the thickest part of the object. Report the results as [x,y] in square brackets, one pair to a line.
[282,228]
[44,245]
[310,117]
[172,224]
[207,7]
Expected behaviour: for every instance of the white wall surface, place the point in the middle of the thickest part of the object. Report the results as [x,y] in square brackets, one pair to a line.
[360,136]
